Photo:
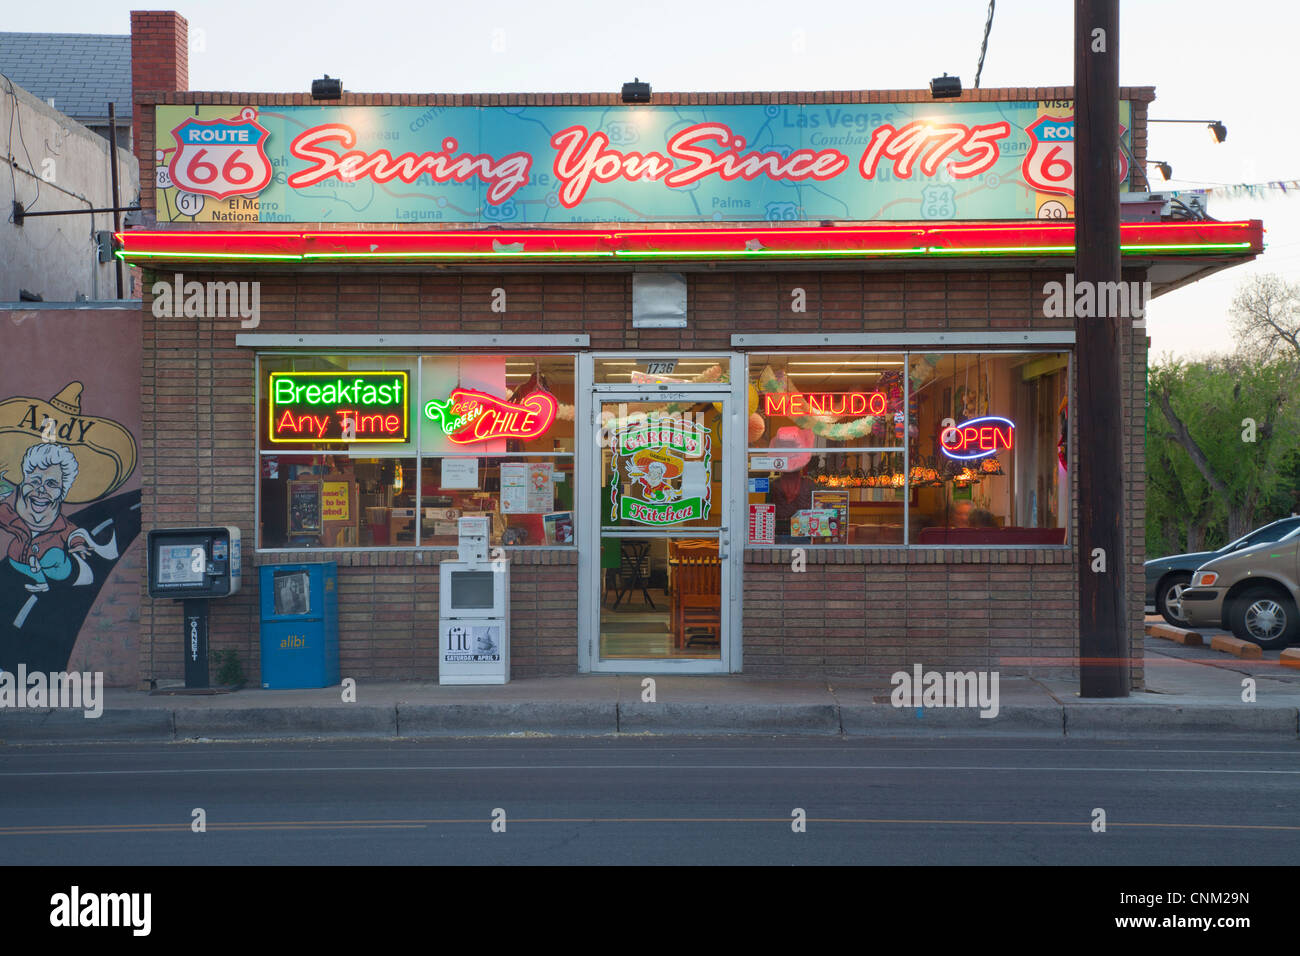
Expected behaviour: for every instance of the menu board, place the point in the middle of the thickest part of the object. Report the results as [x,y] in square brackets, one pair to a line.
[527,487]
[762,524]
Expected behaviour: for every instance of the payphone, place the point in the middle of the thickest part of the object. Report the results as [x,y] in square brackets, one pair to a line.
[194,565]
[474,611]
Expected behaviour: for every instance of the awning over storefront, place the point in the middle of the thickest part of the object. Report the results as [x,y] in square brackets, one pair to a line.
[1176,252]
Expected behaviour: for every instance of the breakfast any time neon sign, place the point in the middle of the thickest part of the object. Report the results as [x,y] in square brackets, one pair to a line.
[311,407]
[469,416]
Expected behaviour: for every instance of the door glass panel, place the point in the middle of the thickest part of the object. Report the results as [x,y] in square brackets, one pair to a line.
[661,504]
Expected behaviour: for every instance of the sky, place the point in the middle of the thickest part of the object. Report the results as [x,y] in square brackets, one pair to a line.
[1207,61]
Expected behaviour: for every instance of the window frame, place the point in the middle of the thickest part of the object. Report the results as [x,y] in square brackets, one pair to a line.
[853,346]
[416,355]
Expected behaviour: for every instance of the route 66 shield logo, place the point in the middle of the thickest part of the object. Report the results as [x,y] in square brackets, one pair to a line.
[1049,167]
[221,157]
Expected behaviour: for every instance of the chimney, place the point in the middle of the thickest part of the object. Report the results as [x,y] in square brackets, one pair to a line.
[160,61]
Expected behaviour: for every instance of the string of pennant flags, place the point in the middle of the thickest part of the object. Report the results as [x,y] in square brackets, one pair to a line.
[1252,190]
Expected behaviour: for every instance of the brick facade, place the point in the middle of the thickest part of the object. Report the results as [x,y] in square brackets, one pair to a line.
[1012,609]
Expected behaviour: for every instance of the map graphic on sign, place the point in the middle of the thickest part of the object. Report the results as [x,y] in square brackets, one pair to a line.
[653,456]
[520,165]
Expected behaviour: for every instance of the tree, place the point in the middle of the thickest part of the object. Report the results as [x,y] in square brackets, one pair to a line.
[1234,420]
[1266,318]
[1182,510]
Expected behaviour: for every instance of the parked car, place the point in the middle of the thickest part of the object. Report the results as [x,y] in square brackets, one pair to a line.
[1254,592]
[1167,577]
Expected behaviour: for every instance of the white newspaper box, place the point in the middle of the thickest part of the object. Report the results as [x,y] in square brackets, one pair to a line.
[473,611]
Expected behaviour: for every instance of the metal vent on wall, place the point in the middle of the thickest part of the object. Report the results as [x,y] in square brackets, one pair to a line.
[658,300]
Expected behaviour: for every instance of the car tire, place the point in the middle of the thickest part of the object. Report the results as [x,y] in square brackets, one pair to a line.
[1169,599]
[1265,617]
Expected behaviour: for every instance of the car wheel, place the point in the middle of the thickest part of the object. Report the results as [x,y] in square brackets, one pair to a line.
[1169,599]
[1265,617]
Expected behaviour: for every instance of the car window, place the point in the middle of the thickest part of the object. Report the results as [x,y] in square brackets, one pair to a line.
[1270,532]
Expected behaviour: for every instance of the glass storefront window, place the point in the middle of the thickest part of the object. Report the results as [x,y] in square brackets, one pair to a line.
[959,448]
[993,425]
[378,450]
[336,501]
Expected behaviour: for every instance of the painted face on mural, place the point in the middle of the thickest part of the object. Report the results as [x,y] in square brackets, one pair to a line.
[41,496]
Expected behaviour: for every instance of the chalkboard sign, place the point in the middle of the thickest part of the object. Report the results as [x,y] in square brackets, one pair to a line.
[304,506]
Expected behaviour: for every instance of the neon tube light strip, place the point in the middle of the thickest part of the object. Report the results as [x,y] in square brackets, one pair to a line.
[945,240]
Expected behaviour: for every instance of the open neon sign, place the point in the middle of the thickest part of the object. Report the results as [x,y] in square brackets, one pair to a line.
[792,404]
[978,438]
[469,416]
[344,406]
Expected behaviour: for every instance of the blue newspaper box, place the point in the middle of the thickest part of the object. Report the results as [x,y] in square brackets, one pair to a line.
[300,625]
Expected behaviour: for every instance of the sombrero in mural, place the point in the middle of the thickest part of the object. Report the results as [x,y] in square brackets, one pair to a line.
[671,462]
[104,449]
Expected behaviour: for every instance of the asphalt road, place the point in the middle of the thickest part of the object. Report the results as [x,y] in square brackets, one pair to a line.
[653,800]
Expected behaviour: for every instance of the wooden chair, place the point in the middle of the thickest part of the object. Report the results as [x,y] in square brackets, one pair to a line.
[697,593]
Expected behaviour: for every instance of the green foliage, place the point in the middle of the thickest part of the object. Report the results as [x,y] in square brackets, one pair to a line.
[1211,478]
[230,672]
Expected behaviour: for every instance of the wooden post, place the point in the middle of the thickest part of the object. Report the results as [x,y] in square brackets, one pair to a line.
[1103,606]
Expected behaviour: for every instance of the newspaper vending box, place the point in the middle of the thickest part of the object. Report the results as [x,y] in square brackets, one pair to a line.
[473,611]
[193,566]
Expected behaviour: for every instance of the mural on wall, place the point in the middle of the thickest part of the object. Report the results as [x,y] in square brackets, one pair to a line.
[56,556]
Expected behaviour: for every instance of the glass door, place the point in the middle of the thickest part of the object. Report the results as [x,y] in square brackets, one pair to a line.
[663,589]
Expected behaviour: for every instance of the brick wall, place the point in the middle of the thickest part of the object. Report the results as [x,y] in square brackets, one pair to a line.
[160,60]
[1015,609]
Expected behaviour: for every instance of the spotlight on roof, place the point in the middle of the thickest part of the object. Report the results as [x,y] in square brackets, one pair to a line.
[636,91]
[943,87]
[1166,170]
[328,88]
[1214,126]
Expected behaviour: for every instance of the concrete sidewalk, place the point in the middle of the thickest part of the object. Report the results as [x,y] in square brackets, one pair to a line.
[1184,696]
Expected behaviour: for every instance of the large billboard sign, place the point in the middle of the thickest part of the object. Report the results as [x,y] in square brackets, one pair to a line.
[563,165]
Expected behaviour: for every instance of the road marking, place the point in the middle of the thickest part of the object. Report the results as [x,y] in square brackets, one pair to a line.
[517,768]
[121,828]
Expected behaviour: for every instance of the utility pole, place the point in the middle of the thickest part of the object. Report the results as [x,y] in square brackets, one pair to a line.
[1103,606]
[112,165]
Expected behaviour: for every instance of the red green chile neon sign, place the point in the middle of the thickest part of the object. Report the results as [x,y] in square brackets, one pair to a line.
[469,416]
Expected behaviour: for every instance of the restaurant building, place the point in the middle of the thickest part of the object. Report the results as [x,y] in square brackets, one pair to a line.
[773,383]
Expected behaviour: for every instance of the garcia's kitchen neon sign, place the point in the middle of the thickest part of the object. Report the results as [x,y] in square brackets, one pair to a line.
[469,416]
[978,437]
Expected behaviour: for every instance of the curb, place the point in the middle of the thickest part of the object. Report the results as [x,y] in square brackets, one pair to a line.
[70,726]
[1178,635]
[1088,720]
[607,718]
[1235,646]
[868,720]
[351,720]
[701,719]
[575,718]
